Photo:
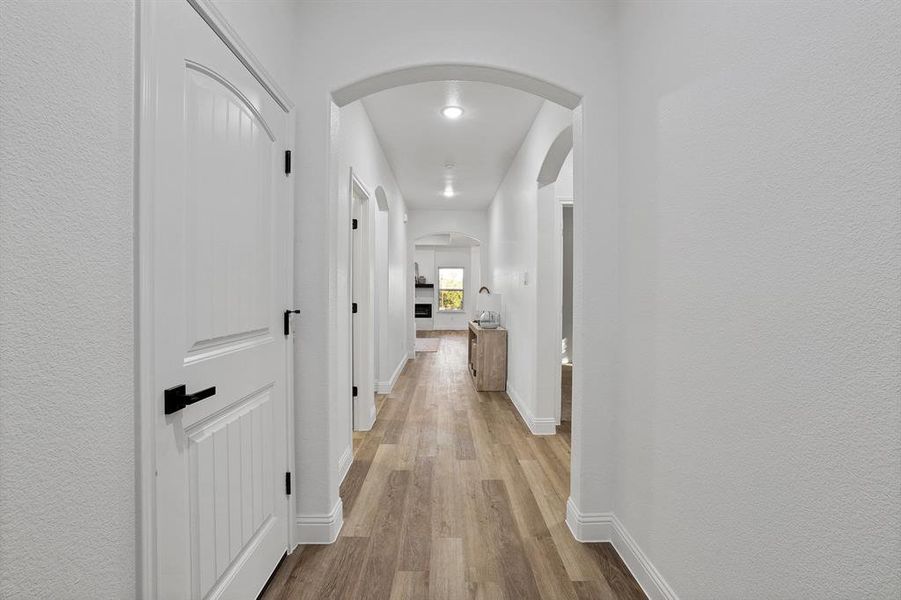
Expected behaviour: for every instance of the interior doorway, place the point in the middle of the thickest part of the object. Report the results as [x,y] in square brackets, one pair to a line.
[448,267]
[566,342]
[361,293]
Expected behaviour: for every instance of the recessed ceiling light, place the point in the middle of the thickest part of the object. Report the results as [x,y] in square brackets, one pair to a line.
[452,112]
[448,191]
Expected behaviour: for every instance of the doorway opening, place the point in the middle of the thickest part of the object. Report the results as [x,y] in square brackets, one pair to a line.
[361,293]
[433,164]
[566,345]
[447,274]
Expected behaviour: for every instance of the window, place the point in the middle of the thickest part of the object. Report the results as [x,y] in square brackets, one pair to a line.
[450,289]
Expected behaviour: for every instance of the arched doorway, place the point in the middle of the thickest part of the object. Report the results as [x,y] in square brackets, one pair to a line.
[432,254]
[355,91]
[546,384]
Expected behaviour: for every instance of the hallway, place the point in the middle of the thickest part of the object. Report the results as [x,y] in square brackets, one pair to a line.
[449,496]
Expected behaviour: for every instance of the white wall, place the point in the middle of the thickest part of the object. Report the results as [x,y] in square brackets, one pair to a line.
[430,259]
[759,405]
[67,442]
[513,241]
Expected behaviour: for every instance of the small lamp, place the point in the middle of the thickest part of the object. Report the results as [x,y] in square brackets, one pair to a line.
[489,307]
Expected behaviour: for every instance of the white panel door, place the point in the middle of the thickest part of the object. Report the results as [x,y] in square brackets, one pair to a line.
[219,252]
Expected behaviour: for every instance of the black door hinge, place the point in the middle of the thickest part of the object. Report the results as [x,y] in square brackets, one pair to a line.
[287,162]
[355,391]
[287,320]
[288,483]
[354,224]
[353,308]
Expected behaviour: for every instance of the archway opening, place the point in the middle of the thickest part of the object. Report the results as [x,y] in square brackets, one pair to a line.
[511,266]
[447,276]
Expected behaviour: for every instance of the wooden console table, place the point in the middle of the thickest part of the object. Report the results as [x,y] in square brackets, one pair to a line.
[488,358]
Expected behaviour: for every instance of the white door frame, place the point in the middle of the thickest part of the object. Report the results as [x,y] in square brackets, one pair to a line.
[146,395]
[362,325]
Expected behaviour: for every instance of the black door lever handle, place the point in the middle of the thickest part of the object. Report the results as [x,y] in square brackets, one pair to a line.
[287,315]
[176,398]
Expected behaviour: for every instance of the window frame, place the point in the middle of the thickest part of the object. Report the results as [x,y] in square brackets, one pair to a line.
[462,291]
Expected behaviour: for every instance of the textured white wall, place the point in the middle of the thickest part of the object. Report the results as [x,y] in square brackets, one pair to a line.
[759,410]
[513,244]
[67,473]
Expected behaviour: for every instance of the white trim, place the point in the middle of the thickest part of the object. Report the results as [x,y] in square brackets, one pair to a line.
[344,463]
[385,387]
[589,527]
[320,529]
[230,38]
[145,445]
[145,393]
[606,527]
[455,72]
[543,426]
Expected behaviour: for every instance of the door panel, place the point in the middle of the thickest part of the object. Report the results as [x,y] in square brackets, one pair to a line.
[232,486]
[220,208]
[229,157]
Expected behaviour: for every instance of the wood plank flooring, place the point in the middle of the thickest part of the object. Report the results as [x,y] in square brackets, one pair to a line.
[450,497]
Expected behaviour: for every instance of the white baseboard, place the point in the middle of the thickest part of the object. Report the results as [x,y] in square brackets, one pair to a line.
[385,387]
[589,527]
[320,529]
[347,458]
[605,527]
[545,426]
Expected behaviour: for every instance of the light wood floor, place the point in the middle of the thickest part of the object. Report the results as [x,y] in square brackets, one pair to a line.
[450,497]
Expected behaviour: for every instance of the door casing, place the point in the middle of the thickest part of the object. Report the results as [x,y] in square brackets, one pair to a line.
[362,324]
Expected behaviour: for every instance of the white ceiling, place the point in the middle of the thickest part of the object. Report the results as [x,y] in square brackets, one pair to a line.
[419,141]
